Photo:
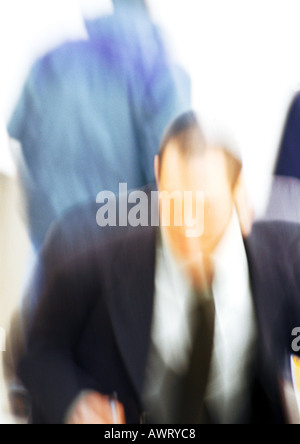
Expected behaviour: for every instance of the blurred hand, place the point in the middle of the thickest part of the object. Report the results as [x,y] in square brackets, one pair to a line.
[95,409]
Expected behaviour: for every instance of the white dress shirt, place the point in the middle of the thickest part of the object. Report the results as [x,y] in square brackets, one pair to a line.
[235,330]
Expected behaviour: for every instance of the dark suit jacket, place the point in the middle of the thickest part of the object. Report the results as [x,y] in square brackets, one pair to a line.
[92,325]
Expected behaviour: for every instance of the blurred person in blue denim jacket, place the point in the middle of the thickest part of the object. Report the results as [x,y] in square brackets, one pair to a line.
[288,164]
[92,113]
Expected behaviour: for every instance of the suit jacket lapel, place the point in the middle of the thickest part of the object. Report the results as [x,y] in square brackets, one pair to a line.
[268,302]
[131,301]
[268,297]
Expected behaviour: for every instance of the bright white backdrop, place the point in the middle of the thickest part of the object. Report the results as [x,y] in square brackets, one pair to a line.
[242,55]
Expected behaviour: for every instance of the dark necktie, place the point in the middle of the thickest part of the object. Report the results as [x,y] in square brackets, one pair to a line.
[190,406]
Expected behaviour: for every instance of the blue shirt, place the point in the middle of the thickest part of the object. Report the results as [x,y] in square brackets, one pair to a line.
[92,114]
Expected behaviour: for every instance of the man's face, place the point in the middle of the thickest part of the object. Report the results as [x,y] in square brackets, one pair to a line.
[206,174]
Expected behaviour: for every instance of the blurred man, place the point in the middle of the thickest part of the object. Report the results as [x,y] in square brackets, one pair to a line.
[163,324]
[92,114]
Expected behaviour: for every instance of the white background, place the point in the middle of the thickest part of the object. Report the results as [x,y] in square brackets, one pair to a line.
[243,57]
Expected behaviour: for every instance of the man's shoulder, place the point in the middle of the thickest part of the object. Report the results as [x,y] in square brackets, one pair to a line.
[80,222]
[63,54]
[275,235]
[276,228]
[78,235]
